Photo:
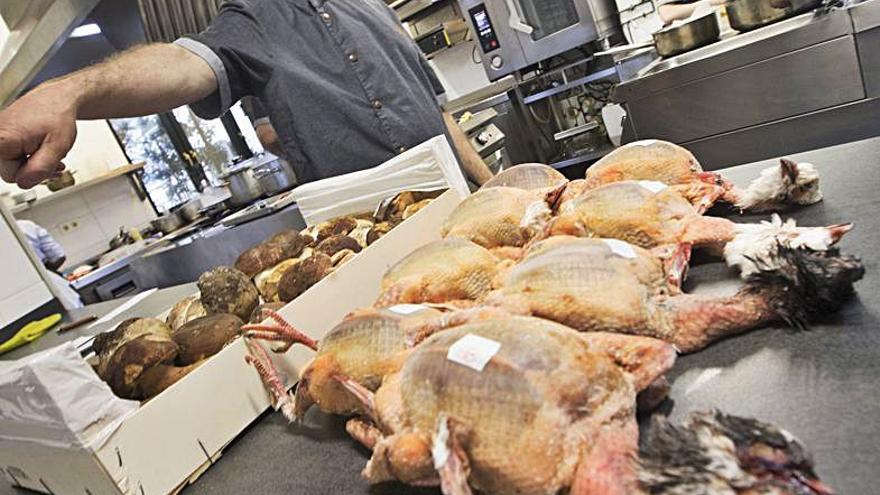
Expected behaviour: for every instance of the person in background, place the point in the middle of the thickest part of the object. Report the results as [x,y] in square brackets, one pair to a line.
[47,249]
[676,10]
[263,126]
[344,85]
[52,256]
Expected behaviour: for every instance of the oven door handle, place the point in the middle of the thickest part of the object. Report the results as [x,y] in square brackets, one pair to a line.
[515,21]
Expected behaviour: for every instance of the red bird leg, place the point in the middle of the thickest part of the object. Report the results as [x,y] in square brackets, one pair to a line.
[677,265]
[281,331]
[450,460]
[271,379]
[608,466]
[361,393]
[365,433]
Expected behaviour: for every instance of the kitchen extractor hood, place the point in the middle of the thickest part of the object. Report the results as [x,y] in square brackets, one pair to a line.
[32,31]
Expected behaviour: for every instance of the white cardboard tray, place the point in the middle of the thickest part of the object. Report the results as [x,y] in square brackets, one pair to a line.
[173,438]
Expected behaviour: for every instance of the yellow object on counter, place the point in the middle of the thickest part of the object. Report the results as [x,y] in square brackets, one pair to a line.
[30,332]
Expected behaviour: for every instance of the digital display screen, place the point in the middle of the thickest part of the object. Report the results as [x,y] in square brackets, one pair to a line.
[485,32]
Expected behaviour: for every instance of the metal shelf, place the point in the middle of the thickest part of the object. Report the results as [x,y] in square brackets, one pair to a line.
[602,74]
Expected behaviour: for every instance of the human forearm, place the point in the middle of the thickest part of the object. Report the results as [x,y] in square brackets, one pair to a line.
[145,80]
[38,129]
[471,161]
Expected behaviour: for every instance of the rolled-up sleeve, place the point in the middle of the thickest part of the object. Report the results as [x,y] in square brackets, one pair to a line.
[235,48]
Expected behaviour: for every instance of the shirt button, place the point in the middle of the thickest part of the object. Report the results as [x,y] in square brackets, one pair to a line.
[325,16]
[377,104]
[353,57]
[401,149]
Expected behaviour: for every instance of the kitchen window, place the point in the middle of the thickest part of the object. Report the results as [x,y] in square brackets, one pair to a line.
[183,152]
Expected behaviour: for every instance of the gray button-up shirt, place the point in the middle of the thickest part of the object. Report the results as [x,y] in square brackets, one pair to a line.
[344,86]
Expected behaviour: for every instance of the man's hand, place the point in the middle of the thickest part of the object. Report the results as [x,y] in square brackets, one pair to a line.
[36,132]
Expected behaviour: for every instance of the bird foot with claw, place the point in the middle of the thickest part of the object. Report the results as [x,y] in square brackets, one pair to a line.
[280,331]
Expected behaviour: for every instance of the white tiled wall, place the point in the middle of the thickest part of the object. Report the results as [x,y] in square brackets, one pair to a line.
[84,222]
[21,287]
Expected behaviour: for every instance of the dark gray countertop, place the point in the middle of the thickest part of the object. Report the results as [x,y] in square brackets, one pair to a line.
[821,384]
[152,305]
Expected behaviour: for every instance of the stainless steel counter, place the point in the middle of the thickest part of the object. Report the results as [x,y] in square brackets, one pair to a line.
[803,83]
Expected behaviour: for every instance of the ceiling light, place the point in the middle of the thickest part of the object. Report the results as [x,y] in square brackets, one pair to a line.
[86,30]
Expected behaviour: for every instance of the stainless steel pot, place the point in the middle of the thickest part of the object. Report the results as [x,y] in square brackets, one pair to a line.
[745,15]
[243,186]
[190,210]
[685,37]
[168,223]
[275,176]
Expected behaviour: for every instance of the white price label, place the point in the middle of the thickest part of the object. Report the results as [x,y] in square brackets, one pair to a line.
[620,248]
[652,185]
[406,309]
[473,351]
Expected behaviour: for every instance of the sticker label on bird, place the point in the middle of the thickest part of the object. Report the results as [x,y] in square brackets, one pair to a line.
[620,248]
[406,309]
[652,185]
[473,351]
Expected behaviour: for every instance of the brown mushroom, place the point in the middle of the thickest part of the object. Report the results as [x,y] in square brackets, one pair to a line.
[267,281]
[290,242]
[259,258]
[378,231]
[188,308]
[307,273]
[205,336]
[156,379]
[337,226]
[336,243]
[136,345]
[227,290]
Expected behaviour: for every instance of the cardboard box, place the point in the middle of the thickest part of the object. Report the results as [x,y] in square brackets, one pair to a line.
[176,436]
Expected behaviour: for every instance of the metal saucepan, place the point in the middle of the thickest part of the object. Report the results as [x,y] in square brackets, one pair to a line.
[692,34]
[745,15]
[190,210]
[168,223]
[243,186]
[275,176]
[676,39]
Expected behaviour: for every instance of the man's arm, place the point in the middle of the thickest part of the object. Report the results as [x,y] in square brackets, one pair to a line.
[38,129]
[473,165]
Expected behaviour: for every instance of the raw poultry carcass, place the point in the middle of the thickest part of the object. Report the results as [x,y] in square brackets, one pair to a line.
[651,215]
[528,176]
[590,286]
[522,405]
[776,188]
[513,405]
[500,216]
[442,271]
[365,347]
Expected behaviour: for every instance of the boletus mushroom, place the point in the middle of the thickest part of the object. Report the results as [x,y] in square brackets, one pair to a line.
[227,290]
[134,346]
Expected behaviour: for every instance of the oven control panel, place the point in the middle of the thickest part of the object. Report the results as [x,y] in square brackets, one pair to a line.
[483,27]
